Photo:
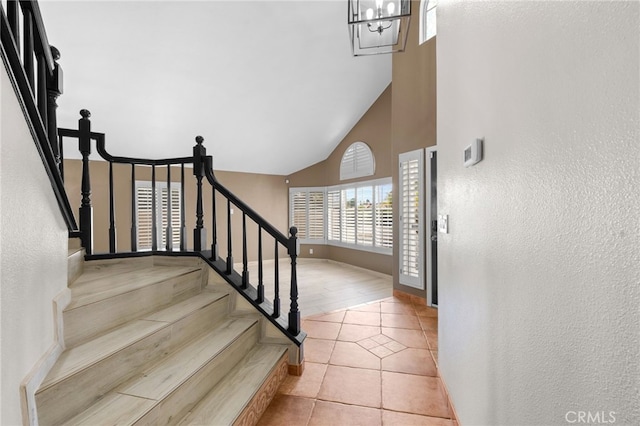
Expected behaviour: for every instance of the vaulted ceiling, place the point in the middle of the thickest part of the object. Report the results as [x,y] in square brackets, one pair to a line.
[270,85]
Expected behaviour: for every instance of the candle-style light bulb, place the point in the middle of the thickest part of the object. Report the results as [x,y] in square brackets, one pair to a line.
[369,13]
[391,7]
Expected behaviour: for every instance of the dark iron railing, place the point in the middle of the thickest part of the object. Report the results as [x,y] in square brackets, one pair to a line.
[37,79]
[203,173]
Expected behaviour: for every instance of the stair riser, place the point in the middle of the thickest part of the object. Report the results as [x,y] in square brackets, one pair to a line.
[263,397]
[173,407]
[75,266]
[90,320]
[62,400]
[184,261]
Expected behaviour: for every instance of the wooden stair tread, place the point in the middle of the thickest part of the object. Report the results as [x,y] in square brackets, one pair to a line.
[162,378]
[113,409]
[86,291]
[147,390]
[80,357]
[225,402]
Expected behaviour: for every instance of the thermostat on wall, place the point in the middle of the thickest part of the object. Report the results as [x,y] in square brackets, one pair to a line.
[473,153]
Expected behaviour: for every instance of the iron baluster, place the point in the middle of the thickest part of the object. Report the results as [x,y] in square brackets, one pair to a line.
[199,233]
[294,313]
[86,210]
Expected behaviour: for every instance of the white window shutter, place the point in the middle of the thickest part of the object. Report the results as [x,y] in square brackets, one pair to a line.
[357,161]
[315,215]
[298,204]
[333,215]
[384,216]
[411,193]
[144,219]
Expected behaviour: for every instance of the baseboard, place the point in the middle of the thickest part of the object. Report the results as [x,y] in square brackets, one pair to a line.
[34,379]
[32,382]
[411,297]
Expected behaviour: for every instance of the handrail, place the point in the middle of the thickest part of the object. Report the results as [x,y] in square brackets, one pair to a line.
[37,88]
[43,44]
[243,206]
[202,168]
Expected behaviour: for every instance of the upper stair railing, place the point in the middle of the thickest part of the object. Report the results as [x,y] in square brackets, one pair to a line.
[201,164]
[37,79]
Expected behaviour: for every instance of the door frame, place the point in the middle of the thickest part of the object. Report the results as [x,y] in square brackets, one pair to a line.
[427,215]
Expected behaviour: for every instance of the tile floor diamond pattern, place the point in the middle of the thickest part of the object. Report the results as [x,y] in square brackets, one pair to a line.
[373,364]
[381,345]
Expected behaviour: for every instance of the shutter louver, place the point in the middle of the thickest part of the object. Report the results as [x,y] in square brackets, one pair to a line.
[299,213]
[384,216]
[316,215]
[333,215]
[348,223]
[365,216]
[144,198]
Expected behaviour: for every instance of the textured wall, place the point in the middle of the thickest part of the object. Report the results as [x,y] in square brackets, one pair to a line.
[539,275]
[33,254]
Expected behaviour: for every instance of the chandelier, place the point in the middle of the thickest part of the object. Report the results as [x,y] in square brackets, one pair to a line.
[378,26]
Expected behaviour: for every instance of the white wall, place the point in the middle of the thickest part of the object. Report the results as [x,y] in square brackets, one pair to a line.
[540,273]
[33,254]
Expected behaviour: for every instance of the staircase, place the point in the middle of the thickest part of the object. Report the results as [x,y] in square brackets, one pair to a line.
[158,340]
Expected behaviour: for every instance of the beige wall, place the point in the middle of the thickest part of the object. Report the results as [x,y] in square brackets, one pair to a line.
[413,113]
[266,194]
[374,128]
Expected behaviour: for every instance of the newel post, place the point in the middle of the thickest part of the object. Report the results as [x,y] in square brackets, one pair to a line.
[199,233]
[86,211]
[54,90]
[294,313]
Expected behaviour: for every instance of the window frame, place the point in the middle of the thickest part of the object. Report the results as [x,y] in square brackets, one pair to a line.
[427,8]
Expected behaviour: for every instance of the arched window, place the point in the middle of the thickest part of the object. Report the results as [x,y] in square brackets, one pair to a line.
[427,19]
[357,161]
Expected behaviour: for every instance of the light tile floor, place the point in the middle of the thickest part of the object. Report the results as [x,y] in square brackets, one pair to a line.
[323,286]
[372,364]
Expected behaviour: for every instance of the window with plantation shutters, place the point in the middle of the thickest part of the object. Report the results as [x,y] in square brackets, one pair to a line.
[358,215]
[411,238]
[144,215]
[307,213]
[357,161]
